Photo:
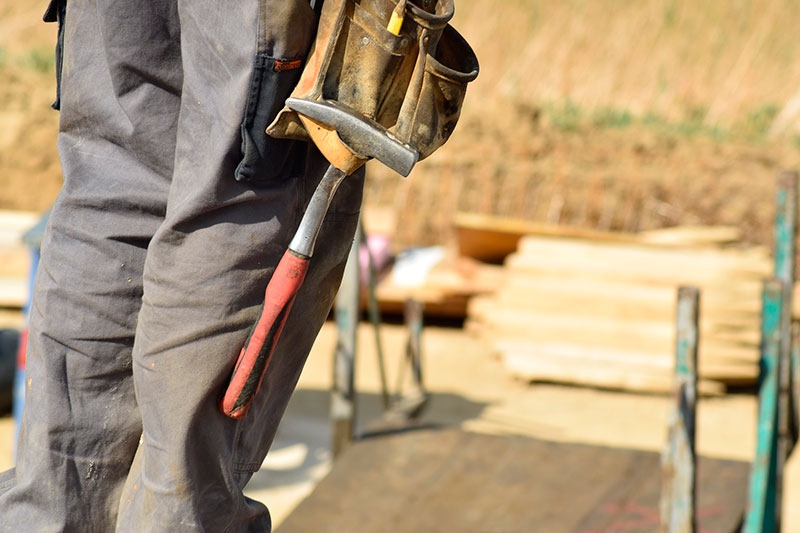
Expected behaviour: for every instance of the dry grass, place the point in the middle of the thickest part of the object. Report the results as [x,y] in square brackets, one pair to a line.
[615,114]
[672,58]
[622,115]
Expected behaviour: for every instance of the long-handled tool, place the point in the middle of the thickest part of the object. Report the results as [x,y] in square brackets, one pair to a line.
[384,80]
[336,127]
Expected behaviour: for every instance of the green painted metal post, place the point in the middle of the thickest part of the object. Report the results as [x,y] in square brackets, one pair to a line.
[678,460]
[762,505]
[786,228]
[785,246]
[343,394]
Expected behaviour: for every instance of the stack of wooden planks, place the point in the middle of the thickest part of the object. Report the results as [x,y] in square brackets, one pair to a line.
[14,257]
[438,277]
[600,312]
[445,289]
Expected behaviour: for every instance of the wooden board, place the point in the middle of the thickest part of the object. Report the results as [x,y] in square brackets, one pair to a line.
[392,302]
[491,238]
[645,264]
[553,288]
[13,224]
[613,369]
[446,289]
[454,481]
[13,292]
[14,257]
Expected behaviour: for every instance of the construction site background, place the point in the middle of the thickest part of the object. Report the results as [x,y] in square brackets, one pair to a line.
[629,116]
[612,116]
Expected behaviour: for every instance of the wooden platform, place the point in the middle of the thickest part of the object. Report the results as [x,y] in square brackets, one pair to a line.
[454,481]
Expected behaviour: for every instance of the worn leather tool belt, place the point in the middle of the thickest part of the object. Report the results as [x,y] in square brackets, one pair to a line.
[412,83]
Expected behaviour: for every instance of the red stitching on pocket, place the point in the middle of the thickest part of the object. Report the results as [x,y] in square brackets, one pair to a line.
[281,65]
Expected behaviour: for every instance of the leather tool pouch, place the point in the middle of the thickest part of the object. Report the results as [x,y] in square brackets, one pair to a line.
[432,104]
[413,83]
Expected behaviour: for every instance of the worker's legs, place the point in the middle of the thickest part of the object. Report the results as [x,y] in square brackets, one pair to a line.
[206,270]
[129,91]
[203,289]
[81,425]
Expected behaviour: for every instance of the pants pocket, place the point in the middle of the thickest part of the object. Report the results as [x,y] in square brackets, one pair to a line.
[265,158]
[285,32]
[56,11]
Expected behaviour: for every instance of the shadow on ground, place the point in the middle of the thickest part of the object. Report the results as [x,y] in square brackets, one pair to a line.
[302,448]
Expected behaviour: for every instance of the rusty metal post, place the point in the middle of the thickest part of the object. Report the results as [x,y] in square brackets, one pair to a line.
[794,367]
[762,506]
[678,460]
[343,394]
[374,313]
[413,315]
[410,404]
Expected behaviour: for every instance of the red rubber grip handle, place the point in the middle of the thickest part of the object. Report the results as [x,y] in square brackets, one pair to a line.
[257,350]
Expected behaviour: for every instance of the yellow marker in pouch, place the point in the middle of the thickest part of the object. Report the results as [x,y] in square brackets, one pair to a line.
[396,20]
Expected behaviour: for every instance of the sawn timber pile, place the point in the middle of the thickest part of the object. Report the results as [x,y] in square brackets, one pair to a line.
[601,313]
[15,257]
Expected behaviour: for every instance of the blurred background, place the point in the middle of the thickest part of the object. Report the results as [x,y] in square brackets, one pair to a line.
[622,116]
[590,122]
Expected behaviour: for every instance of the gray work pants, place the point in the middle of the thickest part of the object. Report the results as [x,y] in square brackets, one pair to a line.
[154,265]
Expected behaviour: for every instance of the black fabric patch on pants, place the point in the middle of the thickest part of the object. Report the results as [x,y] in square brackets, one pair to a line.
[264,158]
[56,10]
[9,346]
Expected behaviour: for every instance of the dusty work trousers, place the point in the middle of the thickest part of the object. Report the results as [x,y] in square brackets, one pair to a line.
[154,265]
